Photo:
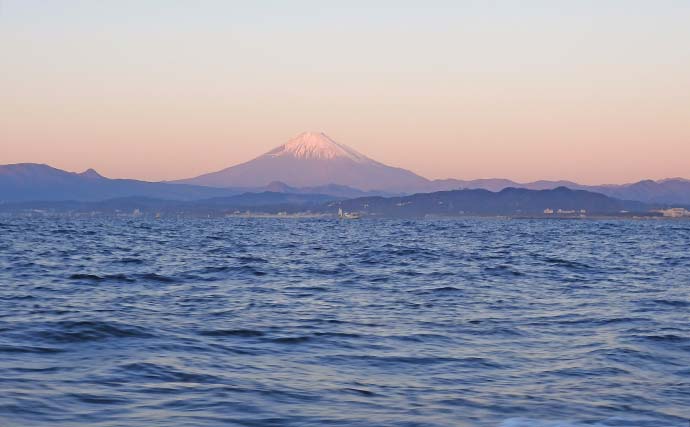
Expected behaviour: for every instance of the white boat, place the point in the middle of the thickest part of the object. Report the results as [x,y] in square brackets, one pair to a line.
[347,215]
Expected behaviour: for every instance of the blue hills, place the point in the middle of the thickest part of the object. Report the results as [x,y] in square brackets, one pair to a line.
[25,182]
[36,186]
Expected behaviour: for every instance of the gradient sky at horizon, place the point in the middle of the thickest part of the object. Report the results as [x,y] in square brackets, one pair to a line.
[590,91]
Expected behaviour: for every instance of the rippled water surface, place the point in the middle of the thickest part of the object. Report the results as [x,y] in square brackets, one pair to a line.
[263,322]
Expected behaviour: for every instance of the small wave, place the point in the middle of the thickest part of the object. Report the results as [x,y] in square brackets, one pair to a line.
[119,278]
[611,422]
[668,338]
[17,297]
[422,338]
[307,288]
[232,333]
[97,278]
[438,290]
[325,271]
[6,348]
[130,261]
[153,277]
[410,273]
[162,373]
[337,334]
[360,391]
[388,361]
[243,269]
[445,289]
[291,340]
[672,303]
[503,270]
[588,322]
[98,399]
[624,355]
[588,373]
[573,265]
[216,269]
[52,369]
[250,259]
[91,277]
[64,231]
[84,331]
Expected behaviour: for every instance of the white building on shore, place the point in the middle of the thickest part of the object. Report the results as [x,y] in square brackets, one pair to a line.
[675,212]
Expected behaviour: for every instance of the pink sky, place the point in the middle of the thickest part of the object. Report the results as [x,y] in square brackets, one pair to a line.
[580,92]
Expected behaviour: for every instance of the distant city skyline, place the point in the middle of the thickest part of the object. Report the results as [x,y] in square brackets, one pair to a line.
[592,92]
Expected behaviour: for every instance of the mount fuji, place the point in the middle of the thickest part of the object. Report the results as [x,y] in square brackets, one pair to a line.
[314,159]
[310,164]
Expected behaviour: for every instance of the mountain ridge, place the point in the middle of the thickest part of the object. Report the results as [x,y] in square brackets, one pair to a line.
[310,163]
[23,182]
[668,190]
[35,181]
[313,159]
[509,201]
[512,202]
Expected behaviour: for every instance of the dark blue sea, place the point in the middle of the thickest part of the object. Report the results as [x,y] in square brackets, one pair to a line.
[306,322]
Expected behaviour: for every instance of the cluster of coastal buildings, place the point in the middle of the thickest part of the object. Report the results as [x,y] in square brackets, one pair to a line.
[666,213]
[674,212]
[549,211]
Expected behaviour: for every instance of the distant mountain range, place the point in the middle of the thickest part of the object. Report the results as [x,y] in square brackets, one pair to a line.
[512,202]
[313,159]
[29,181]
[267,201]
[667,191]
[509,201]
[311,163]
[35,182]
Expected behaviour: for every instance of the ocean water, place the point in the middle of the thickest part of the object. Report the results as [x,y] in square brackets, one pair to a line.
[289,322]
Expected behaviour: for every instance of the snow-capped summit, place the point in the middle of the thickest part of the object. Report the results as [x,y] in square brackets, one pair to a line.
[316,146]
[313,159]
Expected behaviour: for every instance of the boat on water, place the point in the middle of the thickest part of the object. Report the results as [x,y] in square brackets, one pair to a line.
[348,215]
